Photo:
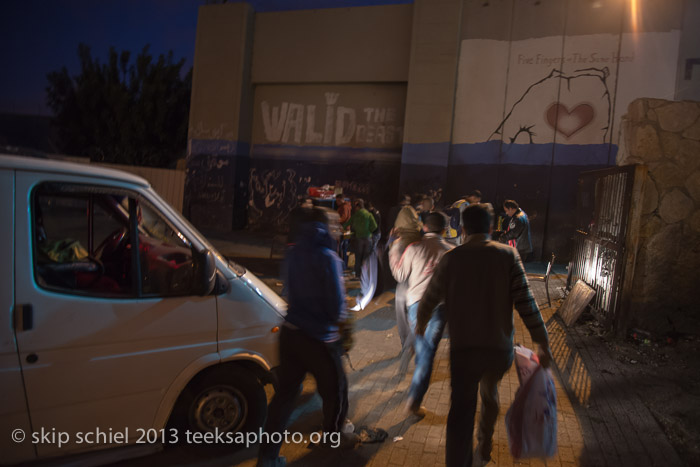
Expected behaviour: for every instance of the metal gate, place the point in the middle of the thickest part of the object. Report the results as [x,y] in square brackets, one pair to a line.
[602,214]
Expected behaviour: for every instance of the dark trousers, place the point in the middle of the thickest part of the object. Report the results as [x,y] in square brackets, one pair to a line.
[363,248]
[343,250]
[473,370]
[301,354]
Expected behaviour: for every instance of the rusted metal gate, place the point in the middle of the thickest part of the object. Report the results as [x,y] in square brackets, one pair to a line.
[603,206]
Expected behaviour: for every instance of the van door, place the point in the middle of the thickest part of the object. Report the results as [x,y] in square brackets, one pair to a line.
[109,282]
[14,418]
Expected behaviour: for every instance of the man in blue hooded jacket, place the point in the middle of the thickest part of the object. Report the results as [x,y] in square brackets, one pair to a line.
[310,338]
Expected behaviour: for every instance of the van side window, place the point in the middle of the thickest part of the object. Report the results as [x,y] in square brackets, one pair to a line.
[81,241]
[165,255]
[83,244]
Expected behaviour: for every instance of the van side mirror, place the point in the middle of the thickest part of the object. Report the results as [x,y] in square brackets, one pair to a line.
[204,272]
[222,284]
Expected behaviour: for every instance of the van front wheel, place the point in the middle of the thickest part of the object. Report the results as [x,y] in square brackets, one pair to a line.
[227,400]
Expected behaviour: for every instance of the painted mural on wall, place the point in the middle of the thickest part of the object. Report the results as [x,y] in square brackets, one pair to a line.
[314,135]
[582,110]
[294,123]
[359,116]
[569,91]
[541,90]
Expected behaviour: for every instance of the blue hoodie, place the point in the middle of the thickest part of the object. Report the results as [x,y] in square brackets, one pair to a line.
[314,283]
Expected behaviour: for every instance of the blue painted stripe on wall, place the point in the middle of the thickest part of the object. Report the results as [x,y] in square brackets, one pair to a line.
[475,153]
[324,152]
[492,152]
[218,147]
[426,154]
[585,154]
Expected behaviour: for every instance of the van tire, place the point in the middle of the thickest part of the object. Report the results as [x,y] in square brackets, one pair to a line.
[228,398]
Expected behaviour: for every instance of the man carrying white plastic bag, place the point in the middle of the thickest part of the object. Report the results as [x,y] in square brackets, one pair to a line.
[479,282]
[532,419]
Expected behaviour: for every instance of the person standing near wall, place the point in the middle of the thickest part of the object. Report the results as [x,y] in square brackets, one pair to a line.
[427,206]
[479,282]
[344,212]
[474,197]
[377,235]
[404,200]
[415,267]
[363,225]
[517,233]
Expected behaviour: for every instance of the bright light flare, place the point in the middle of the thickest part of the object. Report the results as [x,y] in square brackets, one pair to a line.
[634,15]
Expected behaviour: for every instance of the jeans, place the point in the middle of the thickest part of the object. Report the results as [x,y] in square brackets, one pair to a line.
[473,370]
[300,354]
[403,326]
[425,346]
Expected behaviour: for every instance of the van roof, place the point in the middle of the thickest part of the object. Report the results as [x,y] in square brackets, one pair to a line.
[55,166]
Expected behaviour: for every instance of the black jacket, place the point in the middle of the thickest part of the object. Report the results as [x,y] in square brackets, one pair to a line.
[518,234]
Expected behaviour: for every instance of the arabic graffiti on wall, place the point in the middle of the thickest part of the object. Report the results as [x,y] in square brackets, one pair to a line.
[273,194]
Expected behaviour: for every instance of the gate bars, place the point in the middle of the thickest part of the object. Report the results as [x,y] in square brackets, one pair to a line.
[602,217]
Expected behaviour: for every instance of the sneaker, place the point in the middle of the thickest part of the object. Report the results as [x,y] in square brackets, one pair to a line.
[414,408]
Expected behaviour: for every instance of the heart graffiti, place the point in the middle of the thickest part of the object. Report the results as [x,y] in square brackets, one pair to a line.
[569,122]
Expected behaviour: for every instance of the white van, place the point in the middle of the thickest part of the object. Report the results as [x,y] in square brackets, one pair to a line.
[117,316]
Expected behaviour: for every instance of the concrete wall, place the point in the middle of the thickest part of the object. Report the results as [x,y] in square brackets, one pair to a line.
[665,136]
[430,98]
[365,44]
[329,105]
[515,98]
[220,118]
[688,81]
[538,90]
[346,135]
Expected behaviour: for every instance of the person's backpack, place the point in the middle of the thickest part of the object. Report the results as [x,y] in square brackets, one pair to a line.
[454,212]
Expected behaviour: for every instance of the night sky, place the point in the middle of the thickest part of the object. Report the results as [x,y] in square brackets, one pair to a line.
[39,36]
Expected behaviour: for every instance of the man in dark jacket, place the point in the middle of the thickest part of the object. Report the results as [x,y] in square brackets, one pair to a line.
[517,233]
[480,282]
[310,339]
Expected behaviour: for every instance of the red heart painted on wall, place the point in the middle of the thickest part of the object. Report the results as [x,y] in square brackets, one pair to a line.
[569,122]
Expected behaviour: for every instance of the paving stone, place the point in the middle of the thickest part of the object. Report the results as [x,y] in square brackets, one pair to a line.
[600,421]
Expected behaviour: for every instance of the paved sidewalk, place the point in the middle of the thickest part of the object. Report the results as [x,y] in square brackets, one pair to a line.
[600,422]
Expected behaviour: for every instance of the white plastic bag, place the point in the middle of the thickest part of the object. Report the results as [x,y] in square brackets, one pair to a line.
[368,281]
[532,419]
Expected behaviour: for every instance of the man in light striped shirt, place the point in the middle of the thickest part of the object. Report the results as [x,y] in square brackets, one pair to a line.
[479,282]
